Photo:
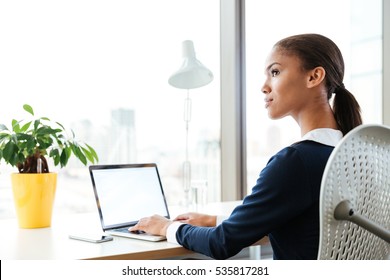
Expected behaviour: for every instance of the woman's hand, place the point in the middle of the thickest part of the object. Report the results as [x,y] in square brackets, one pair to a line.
[155,224]
[158,225]
[197,219]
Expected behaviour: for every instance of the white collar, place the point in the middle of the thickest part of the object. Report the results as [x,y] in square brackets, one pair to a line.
[326,136]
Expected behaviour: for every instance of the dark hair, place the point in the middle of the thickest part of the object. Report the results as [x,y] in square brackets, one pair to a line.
[316,50]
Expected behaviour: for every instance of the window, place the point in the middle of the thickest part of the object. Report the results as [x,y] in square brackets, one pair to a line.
[101,69]
[355,26]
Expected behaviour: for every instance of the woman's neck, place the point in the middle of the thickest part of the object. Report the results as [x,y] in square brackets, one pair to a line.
[317,118]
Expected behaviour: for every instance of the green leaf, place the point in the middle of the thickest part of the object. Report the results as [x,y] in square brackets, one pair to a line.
[15,126]
[79,154]
[14,138]
[65,155]
[14,159]
[3,127]
[4,136]
[36,124]
[20,158]
[22,136]
[31,143]
[9,151]
[93,152]
[25,127]
[56,160]
[46,130]
[55,154]
[28,108]
[88,154]
[44,143]
[63,158]
[63,128]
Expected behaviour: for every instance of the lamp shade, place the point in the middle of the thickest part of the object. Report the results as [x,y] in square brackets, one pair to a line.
[192,73]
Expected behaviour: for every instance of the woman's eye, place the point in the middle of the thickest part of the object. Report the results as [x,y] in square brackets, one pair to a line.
[274,73]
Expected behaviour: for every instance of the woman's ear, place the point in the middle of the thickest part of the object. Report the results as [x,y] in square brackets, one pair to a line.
[316,76]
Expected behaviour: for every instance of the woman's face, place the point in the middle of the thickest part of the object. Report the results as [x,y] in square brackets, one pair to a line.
[285,87]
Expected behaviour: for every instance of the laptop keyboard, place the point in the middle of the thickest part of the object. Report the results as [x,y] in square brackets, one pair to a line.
[139,234]
[126,229]
[121,229]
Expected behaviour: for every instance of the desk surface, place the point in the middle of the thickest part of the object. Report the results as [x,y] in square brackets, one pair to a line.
[54,242]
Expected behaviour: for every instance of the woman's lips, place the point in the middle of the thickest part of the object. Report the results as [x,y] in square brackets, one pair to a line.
[267,102]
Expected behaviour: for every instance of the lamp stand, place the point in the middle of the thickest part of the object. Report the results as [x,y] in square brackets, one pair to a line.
[192,74]
[187,164]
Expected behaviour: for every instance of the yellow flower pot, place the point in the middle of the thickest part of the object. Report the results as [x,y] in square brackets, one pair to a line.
[34,198]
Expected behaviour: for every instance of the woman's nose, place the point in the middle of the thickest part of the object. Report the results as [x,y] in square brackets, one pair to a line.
[265,89]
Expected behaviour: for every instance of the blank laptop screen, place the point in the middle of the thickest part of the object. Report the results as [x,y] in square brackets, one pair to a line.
[126,194]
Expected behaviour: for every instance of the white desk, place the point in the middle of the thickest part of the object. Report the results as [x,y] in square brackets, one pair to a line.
[54,243]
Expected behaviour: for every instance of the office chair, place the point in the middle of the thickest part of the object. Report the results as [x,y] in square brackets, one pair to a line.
[355,197]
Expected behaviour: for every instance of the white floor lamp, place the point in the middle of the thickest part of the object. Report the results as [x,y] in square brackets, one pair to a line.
[192,74]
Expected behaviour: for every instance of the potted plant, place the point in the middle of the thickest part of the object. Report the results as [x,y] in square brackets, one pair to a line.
[27,145]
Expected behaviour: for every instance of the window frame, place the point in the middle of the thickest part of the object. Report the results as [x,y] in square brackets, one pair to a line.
[233,96]
[386,62]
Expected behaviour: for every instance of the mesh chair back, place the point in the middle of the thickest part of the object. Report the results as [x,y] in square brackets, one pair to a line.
[358,170]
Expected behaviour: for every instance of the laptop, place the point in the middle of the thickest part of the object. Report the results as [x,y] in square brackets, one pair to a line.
[126,193]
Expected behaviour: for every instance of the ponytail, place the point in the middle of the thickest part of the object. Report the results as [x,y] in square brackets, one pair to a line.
[346,110]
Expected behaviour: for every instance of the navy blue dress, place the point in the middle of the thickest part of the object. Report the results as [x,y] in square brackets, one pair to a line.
[284,204]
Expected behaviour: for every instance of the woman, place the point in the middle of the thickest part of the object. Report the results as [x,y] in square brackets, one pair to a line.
[302,74]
